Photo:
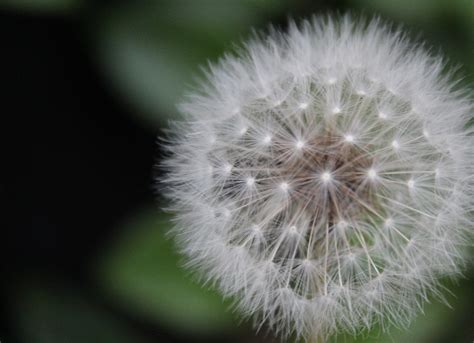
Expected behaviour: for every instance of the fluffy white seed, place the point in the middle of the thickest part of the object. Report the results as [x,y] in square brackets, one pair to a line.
[349,138]
[299,145]
[326,177]
[303,105]
[284,186]
[267,139]
[372,174]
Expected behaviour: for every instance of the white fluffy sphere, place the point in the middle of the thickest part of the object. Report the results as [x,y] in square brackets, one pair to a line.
[323,177]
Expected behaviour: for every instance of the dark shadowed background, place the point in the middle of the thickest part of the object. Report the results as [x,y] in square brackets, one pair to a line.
[86,88]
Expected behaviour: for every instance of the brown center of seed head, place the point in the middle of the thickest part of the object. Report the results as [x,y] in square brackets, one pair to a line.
[330,179]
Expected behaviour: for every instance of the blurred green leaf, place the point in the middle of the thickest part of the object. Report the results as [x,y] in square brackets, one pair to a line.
[464,9]
[142,273]
[151,52]
[48,312]
[41,6]
[420,10]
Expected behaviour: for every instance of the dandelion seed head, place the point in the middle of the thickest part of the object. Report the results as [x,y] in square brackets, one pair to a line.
[312,229]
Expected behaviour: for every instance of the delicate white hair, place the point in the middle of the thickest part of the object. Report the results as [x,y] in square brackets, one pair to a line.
[323,177]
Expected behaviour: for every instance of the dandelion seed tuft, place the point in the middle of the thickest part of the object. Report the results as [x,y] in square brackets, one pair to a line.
[326,177]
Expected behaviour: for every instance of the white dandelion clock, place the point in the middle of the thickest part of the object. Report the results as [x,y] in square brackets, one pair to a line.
[323,177]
